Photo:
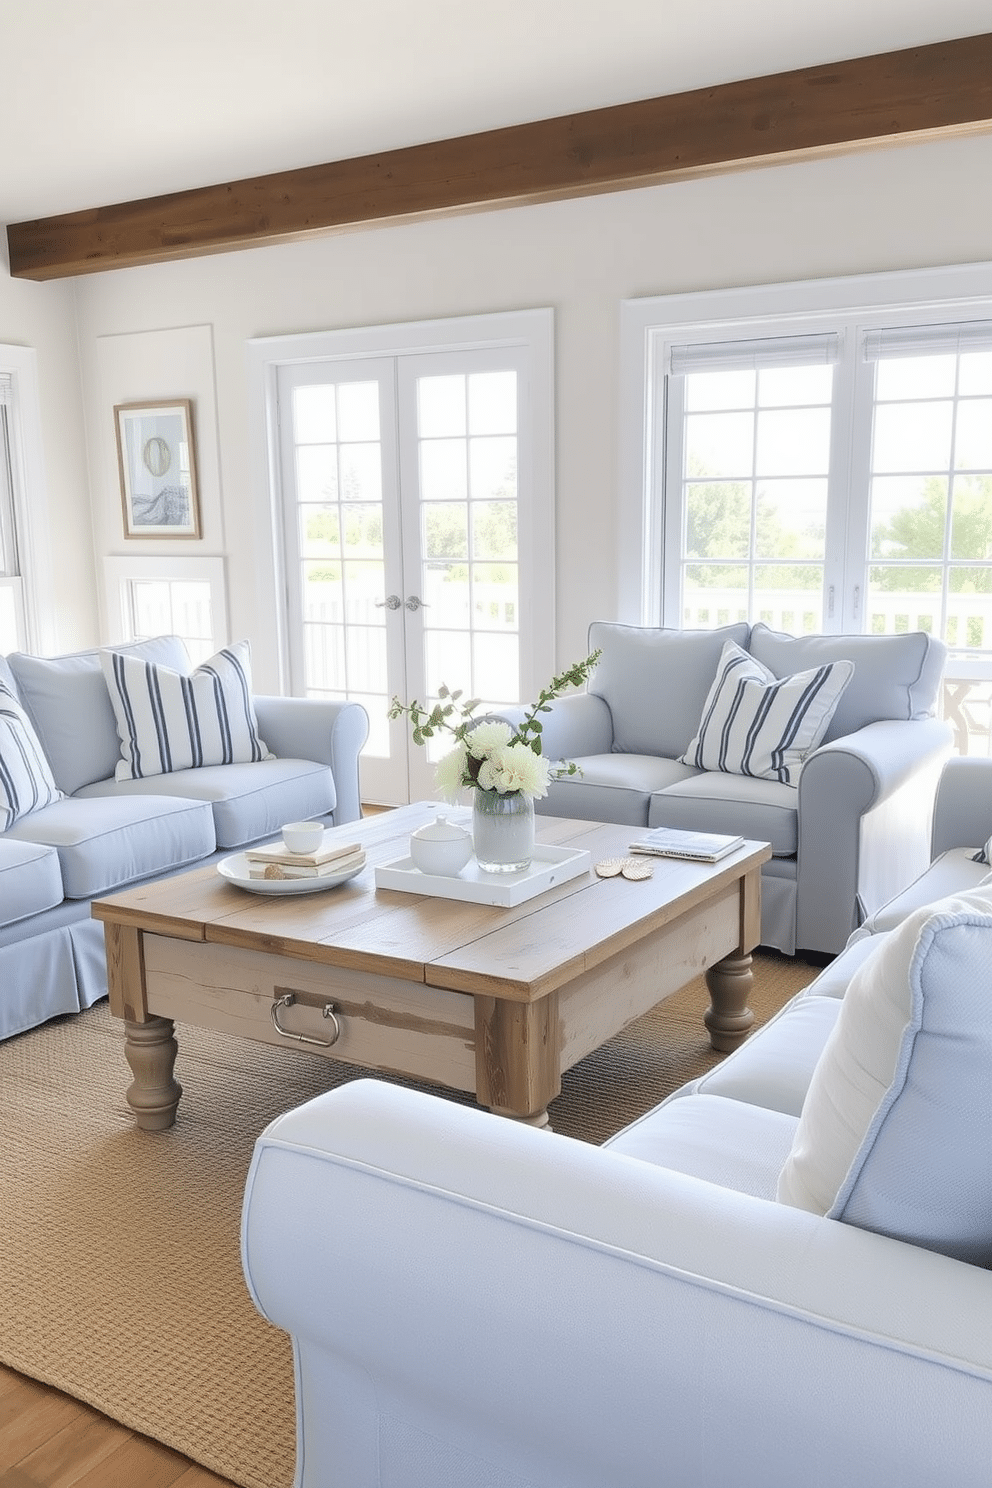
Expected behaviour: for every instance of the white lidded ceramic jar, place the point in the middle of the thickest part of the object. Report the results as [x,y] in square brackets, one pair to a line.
[441,847]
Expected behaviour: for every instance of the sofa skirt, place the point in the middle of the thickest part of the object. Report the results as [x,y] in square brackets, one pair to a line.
[778,905]
[40,977]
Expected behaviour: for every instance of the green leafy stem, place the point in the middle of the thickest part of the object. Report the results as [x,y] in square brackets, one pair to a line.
[450,715]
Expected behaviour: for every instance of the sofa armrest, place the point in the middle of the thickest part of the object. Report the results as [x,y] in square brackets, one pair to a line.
[962,813]
[332,733]
[865,814]
[473,1300]
[573,726]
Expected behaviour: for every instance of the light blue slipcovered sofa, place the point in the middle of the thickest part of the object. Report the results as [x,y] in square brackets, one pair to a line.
[106,834]
[844,838]
[669,1307]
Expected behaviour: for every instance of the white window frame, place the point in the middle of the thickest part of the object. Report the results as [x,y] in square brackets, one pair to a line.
[33,586]
[533,329]
[651,326]
[120,573]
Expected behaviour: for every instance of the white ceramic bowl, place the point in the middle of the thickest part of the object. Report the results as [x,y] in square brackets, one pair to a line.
[303,837]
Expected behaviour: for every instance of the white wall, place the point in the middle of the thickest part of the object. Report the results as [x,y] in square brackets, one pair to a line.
[43,316]
[909,207]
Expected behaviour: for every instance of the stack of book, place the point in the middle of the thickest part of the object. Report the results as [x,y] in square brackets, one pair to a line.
[275,860]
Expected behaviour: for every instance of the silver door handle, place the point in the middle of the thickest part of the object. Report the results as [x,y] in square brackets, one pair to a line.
[391,602]
[414,602]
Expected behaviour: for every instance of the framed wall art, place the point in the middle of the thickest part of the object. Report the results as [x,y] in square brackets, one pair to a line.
[157,463]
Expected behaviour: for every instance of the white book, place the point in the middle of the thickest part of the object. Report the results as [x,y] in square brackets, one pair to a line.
[671,842]
[278,852]
[303,870]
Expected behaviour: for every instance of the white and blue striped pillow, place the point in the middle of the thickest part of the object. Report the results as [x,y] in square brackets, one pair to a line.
[755,723]
[169,720]
[26,780]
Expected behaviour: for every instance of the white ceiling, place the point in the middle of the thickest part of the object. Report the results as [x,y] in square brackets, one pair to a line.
[112,100]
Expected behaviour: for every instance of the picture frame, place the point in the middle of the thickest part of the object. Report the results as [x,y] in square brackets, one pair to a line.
[156,457]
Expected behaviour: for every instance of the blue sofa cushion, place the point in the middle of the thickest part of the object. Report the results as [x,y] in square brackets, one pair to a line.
[248,801]
[103,844]
[655,682]
[895,676]
[711,801]
[69,705]
[30,880]
[896,1126]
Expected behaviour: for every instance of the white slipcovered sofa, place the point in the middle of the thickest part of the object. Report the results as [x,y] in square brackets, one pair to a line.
[846,831]
[75,831]
[740,1288]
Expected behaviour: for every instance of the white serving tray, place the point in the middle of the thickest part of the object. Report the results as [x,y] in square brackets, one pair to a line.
[549,866]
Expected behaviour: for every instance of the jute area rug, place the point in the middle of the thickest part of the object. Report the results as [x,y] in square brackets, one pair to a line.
[121,1280]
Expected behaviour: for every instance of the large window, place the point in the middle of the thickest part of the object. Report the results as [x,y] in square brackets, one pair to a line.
[820,466]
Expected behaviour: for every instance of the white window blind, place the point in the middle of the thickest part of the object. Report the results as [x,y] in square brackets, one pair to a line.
[927,340]
[737,356]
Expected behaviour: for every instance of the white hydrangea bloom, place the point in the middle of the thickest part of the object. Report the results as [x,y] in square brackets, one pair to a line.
[515,768]
[486,738]
[449,772]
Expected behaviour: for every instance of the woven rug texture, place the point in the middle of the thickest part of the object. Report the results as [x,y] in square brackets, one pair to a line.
[121,1280]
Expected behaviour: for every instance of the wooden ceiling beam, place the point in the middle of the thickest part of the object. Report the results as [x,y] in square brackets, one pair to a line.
[917,93]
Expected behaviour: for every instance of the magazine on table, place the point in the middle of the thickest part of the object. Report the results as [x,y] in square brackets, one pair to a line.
[671,842]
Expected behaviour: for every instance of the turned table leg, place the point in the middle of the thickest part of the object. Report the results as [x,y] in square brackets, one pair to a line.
[150,1049]
[728,1017]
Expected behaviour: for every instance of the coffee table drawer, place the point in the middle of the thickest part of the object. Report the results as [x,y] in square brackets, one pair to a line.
[385,1024]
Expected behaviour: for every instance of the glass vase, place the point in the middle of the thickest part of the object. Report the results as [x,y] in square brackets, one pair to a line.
[502,831]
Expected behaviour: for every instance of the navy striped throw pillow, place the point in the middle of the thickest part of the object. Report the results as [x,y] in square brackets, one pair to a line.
[755,723]
[26,780]
[169,720]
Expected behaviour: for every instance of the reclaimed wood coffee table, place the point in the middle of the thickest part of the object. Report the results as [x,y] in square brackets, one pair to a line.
[493,1001]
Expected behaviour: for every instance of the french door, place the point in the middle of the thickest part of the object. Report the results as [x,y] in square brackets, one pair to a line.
[416,510]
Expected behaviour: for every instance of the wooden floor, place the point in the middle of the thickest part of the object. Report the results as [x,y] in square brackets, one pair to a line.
[48,1440]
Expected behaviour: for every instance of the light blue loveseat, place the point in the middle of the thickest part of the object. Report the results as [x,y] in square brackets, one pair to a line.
[847,836]
[107,834]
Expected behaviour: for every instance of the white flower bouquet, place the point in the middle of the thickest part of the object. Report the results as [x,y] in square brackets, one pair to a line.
[491,755]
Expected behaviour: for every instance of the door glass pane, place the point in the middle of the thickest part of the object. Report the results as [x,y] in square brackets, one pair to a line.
[339,518]
[441,410]
[492,402]
[443,470]
[446,591]
[467,432]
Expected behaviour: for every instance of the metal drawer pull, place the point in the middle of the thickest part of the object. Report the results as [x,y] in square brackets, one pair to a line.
[327,1011]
